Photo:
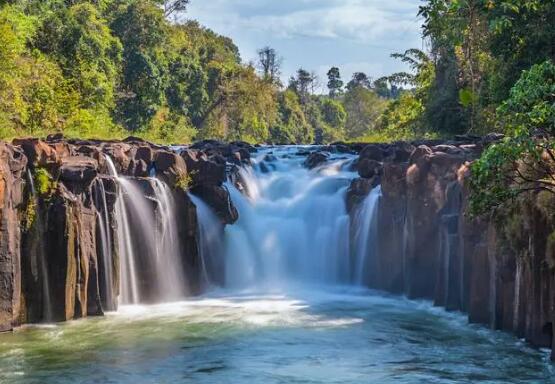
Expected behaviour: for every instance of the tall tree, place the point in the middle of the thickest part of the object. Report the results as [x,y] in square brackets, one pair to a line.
[335,84]
[302,84]
[360,79]
[173,6]
[269,64]
[142,29]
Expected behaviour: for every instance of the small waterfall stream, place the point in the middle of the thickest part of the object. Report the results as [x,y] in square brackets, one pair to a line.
[365,237]
[103,221]
[148,243]
[170,275]
[209,242]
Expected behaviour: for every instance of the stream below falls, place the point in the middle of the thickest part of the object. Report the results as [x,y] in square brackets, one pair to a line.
[289,307]
[309,335]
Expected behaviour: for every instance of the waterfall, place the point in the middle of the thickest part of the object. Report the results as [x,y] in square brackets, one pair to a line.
[40,255]
[293,224]
[105,247]
[365,236]
[148,243]
[168,261]
[129,284]
[209,242]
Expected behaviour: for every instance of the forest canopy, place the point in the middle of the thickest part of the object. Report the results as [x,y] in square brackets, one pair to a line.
[112,68]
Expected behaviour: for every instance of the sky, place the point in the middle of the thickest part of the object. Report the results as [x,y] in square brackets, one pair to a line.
[354,35]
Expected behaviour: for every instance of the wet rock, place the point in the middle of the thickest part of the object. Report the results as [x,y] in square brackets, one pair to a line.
[12,164]
[372,152]
[42,154]
[202,170]
[400,152]
[172,167]
[78,170]
[316,159]
[368,168]
[218,198]
[358,190]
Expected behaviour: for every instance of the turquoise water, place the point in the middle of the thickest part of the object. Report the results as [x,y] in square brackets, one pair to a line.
[317,335]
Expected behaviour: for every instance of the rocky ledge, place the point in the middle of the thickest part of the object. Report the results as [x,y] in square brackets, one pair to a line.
[500,270]
[55,196]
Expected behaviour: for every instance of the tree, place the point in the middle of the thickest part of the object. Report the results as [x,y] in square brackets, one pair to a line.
[335,84]
[360,79]
[143,31]
[292,125]
[246,107]
[334,117]
[269,64]
[173,6]
[81,41]
[525,160]
[302,84]
[364,109]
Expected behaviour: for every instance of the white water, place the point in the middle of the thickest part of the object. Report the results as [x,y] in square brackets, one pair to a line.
[106,248]
[147,239]
[168,263]
[210,231]
[365,237]
[293,224]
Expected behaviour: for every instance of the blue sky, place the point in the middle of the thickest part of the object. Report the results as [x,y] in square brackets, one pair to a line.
[355,35]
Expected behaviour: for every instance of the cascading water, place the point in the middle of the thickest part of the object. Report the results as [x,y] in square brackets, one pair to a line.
[210,242]
[365,237]
[105,247]
[129,285]
[148,243]
[293,224]
[168,264]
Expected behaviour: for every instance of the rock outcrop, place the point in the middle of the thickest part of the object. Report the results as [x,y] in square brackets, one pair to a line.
[57,209]
[500,270]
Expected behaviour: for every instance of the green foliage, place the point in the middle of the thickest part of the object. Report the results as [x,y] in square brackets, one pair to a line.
[107,67]
[45,185]
[364,111]
[143,31]
[525,160]
[334,118]
[30,215]
[335,84]
[292,126]
[184,182]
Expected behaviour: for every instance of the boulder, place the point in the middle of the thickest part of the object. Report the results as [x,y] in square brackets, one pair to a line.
[372,152]
[316,159]
[171,167]
[217,197]
[202,170]
[368,168]
[78,169]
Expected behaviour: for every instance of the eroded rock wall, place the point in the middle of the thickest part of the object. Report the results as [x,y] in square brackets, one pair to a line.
[57,210]
[499,269]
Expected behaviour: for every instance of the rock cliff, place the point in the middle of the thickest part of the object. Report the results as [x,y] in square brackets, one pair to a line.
[57,209]
[498,269]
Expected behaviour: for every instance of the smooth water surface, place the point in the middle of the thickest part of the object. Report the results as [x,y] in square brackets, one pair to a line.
[318,335]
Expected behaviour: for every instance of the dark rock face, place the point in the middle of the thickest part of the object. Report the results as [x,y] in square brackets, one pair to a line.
[12,167]
[500,271]
[316,159]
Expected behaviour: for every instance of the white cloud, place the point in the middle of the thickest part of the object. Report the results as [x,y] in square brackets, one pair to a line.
[359,20]
[356,35]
